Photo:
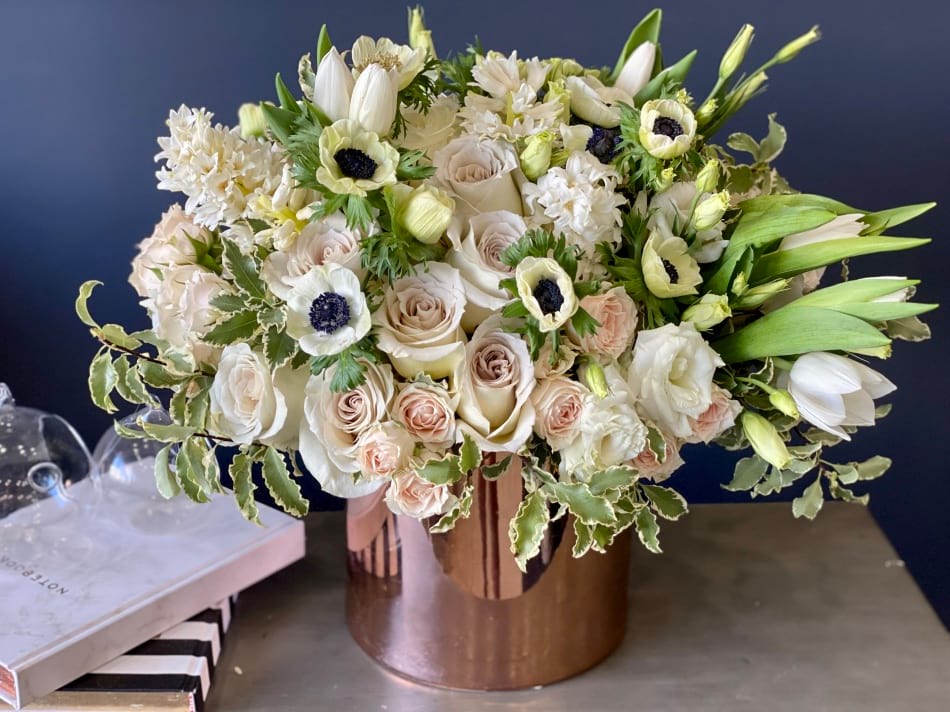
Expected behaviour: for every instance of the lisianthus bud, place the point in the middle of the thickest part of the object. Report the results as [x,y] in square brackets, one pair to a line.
[251,120]
[536,156]
[708,178]
[754,83]
[333,86]
[664,179]
[596,379]
[373,105]
[736,52]
[420,37]
[710,210]
[427,212]
[706,111]
[784,403]
[712,309]
[765,440]
[757,296]
[791,50]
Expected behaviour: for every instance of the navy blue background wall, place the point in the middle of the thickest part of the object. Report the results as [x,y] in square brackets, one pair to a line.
[86,87]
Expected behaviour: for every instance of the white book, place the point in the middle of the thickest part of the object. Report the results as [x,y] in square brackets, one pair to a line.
[75,595]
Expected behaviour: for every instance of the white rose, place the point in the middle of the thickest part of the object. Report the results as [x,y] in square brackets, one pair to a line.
[327,310]
[495,382]
[169,245]
[558,404]
[384,450]
[427,410]
[611,432]
[319,243]
[432,130]
[481,173]
[181,310]
[412,496]
[333,424]
[419,321]
[478,258]
[671,375]
[245,404]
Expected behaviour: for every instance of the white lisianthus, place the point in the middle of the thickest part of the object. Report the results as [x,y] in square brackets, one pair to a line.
[429,131]
[637,70]
[671,375]
[546,291]
[832,391]
[384,450]
[674,205]
[245,404]
[668,268]
[477,257]
[611,432]
[373,104]
[594,102]
[405,61]
[415,497]
[495,381]
[481,173]
[324,241]
[181,310]
[427,410]
[559,405]
[333,424]
[327,310]
[519,115]
[333,86]
[425,211]
[353,160]
[169,245]
[667,128]
[419,321]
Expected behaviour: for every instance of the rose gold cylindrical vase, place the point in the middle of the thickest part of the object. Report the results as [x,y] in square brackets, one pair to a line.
[453,610]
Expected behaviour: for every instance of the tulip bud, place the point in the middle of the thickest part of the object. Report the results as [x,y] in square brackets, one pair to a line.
[251,120]
[710,210]
[373,105]
[736,52]
[708,179]
[536,156]
[596,380]
[791,50]
[333,86]
[426,213]
[784,403]
[765,440]
[637,70]
[419,36]
[712,309]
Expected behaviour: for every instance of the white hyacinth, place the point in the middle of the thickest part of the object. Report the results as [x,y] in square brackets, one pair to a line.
[222,174]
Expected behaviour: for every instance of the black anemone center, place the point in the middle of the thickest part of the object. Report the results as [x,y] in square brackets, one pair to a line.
[548,295]
[665,126]
[603,143]
[355,164]
[329,312]
[671,272]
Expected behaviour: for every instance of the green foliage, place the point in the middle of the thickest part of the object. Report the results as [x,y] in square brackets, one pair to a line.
[418,94]
[410,168]
[165,481]
[244,271]
[493,472]
[283,489]
[242,475]
[441,471]
[764,151]
[349,366]
[648,530]
[234,329]
[457,71]
[462,509]
[667,82]
[584,504]
[526,530]
[470,455]
[810,502]
[102,379]
[666,502]
[541,243]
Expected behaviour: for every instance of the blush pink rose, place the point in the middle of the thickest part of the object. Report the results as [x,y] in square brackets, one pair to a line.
[384,450]
[617,315]
[413,496]
[649,465]
[716,419]
[428,413]
[559,404]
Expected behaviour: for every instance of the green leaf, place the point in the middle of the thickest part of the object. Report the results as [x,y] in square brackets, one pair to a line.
[324,44]
[165,481]
[197,405]
[586,506]
[493,472]
[279,346]
[749,471]
[470,455]
[462,509]
[854,291]
[583,539]
[283,489]
[873,468]
[129,383]
[674,75]
[272,317]
[238,327]
[242,475]
[284,95]
[667,502]
[243,270]
[190,475]
[648,530]
[583,323]
[886,219]
[809,504]
[647,30]
[279,121]
[612,478]
[173,433]
[82,310]
[515,310]
[123,431]
[115,334]
[441,472]
[102,379]
[229,303]
[203,463]
[526,530]
[846,495]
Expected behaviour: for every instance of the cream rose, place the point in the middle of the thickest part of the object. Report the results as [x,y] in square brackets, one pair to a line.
[181,310]
[481,173]
[333,424]
[412,496]
[477,257]
[648,464]
[617,315]
[545,368]
[245,404]
[419,321]
[170,245]
[671,376]
[384,450]
[427,411]
[495,382]
[716,419]
[558,403]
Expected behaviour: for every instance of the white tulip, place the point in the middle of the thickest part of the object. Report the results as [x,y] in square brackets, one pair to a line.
[373,104]
[840,228]
[333,86]
[637,69]
[832,391]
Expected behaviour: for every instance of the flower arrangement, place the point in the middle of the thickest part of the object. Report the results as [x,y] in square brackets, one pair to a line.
[418,269]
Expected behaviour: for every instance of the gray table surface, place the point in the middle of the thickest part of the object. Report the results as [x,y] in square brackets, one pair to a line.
[747,610]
